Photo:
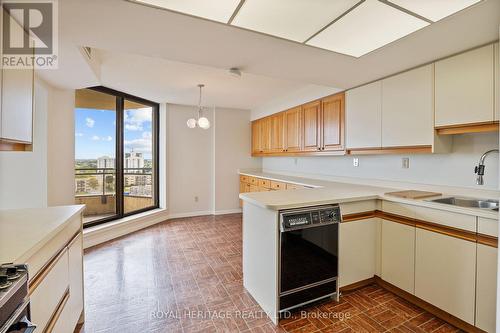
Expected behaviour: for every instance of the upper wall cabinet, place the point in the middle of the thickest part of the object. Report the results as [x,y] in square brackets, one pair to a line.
[315,128]
[332,123]
[408,108]
[293,129]
[465,89]
[364,117]
[497,82]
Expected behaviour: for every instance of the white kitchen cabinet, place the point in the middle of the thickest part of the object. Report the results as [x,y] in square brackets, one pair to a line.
[364,116]
[464,88]
[497,82]
[445,273]
[408,108]
[398,255]
[17,105]
[357,250]
[486,287]
[74,306]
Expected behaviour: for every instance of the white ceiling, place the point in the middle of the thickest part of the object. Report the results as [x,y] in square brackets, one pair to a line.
[135,32]
[163,80]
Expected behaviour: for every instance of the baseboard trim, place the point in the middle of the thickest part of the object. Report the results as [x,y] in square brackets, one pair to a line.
[190,214]
[358,285]
[228,211]
[447,317]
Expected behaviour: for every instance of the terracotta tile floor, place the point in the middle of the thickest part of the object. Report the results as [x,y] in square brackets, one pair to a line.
[185,275]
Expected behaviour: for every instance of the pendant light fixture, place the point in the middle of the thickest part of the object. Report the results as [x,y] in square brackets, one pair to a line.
[201,122]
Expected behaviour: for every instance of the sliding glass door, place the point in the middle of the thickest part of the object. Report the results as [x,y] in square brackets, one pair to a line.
[116,154]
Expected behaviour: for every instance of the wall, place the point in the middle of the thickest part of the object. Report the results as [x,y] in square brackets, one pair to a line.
[453,169]
[61,148]
[23,175]
[232,152]
[204,163]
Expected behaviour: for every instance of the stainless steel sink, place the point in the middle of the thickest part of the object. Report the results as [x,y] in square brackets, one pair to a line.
[469,202]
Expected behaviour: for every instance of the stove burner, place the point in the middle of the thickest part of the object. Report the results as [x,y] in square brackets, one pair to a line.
[5,285]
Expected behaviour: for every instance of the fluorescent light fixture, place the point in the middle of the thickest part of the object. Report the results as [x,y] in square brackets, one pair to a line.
[296,20]
[220,10]
[432,9]
[368,27]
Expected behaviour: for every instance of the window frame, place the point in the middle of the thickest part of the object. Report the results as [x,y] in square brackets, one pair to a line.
[155,131]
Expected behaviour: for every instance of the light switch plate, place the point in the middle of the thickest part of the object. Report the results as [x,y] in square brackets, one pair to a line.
[355,161]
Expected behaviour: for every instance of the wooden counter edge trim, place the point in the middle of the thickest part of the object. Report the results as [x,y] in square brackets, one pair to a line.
[35,281]
[489,126]
[424,149]
[57,313]
[447,317]
[430,226]
[487,240]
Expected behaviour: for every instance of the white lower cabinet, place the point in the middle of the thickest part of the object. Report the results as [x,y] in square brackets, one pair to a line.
[445,273]
[50,292]
[486,287]
[357,250]
[398,255]
[74,307]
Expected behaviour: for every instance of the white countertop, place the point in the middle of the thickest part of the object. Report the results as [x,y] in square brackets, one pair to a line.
[24,231]
[326,192]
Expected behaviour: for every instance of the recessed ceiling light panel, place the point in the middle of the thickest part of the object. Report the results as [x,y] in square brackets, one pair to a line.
[368,27]
[220,10]
[296,20]
[432,9]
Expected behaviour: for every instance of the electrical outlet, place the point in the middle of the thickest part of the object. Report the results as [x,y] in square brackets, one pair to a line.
[355,161]
[405,162]
[196,199]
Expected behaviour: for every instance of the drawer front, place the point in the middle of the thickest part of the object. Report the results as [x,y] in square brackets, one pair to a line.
[253,180]
[254,188]
[47,295]
[398,209]
[293,187]
[450,219]
[487,226]
[264,183]
[278,185]
[244,179]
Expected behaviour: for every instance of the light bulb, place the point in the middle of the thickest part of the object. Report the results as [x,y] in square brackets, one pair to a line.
[191,123]
[204,123]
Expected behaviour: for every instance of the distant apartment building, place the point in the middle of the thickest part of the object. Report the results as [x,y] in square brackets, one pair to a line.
[134,160]
[105,162]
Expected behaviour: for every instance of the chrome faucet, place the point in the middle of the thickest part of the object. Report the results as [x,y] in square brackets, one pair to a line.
[479,170]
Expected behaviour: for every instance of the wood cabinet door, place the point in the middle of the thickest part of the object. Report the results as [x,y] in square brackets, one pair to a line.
[398,255]
[277,125]
[445,273]
[486,286]
[408,108]
[364,116]
[311,115]
[332,123]
[256,137]
[465,88]
[293,130]
[265,135]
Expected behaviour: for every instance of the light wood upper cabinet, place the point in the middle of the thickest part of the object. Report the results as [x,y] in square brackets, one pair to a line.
[398,255]
[408,108]
[364,116]
[256,136]
[465,88]
[16,111]
[293,129]
[265,135]
[311,114]
[332,123]
[277,123]
[445,273]
[486,286]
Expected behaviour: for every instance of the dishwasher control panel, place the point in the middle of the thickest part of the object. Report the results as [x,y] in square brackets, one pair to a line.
[309,216]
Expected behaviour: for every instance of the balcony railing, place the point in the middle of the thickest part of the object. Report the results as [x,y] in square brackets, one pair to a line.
[95,187]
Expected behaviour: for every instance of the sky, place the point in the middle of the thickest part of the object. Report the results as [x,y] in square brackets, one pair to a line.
[95,132]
